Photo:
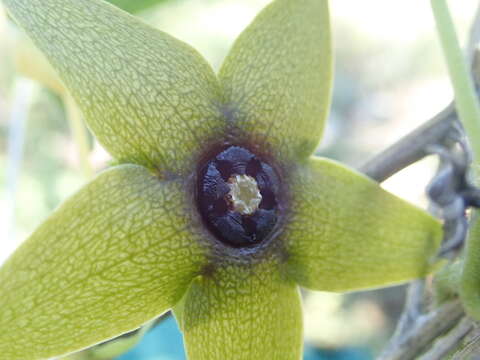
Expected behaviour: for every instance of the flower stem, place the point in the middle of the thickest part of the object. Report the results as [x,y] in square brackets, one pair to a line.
[79,133]
[465,98]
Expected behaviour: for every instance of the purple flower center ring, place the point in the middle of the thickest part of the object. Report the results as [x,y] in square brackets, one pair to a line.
[237,196]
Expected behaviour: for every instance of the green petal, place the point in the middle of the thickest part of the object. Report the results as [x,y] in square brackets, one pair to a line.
[278,76]
[149,98]
[347,233]
[115,255]
[29,61]
[242,313]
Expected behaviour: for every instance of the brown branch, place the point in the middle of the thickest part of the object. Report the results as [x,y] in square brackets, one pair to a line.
[450,341]
[412,147]
[412,338]
[425,330]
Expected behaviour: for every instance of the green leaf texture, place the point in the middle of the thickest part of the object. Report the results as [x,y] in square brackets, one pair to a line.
[117,254]
[347,233]
[149,98]
[277,78]
[242,313]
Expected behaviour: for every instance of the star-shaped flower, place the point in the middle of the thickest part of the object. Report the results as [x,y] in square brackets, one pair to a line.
[217,208]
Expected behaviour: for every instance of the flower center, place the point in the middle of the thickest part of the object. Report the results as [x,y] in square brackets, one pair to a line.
[244,194]
[237,197]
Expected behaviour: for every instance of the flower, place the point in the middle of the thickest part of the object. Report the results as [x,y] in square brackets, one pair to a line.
[217,208]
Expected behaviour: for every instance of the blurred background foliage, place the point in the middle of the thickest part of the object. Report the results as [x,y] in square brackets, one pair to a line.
[135,6]
[389,78]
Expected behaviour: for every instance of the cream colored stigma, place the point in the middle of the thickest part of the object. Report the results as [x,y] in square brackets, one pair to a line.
[244,194]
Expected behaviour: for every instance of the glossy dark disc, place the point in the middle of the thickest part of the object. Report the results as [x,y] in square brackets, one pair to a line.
[230,226]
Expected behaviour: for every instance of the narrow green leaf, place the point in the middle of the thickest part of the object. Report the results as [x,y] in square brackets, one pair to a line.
[241,313]
[149,98]
[117,254]
[278,77]
[347,233]
[470,275]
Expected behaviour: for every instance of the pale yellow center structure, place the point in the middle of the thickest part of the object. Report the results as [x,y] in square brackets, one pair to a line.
[244,194]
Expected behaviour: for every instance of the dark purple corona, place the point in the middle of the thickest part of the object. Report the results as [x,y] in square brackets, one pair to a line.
[237,197]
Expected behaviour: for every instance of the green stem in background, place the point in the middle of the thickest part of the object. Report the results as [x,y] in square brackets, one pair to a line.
[79,133]
[470,279]
[468,109]
[466,100]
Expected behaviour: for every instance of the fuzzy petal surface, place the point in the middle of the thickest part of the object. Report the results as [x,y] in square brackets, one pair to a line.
[278,77]
[242,313]
[148,97]
[115,255]
[347,233]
